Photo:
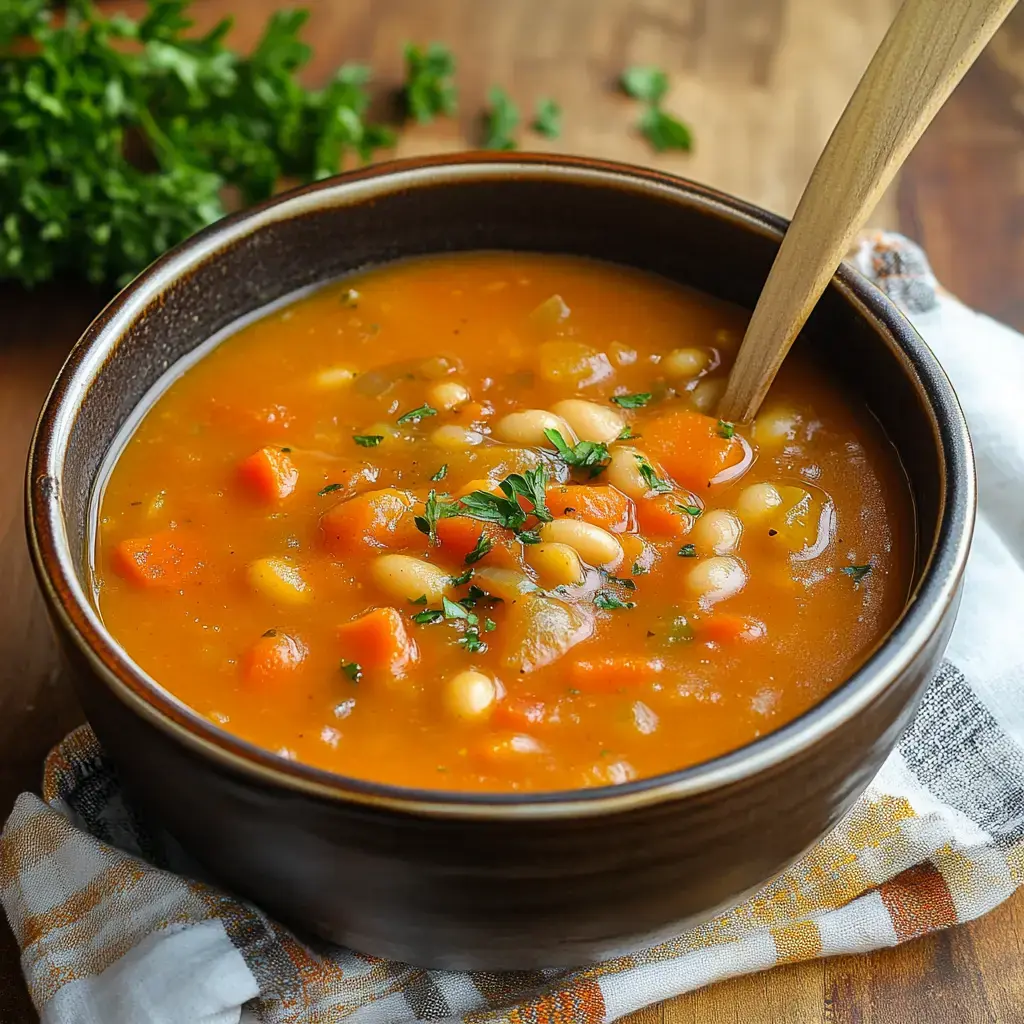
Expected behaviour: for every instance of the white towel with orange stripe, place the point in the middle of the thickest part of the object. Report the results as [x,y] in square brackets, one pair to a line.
[114,928]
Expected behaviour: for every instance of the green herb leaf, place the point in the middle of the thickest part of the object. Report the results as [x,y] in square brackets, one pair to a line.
[490,625]
[639,570]
[452,610]
[548,120]
[856,572]
[433,512]
[353,670]
[470,639]
[607,601]
[584,455]
[528,536]
[619,581]
[680,631]
[665,132]
[530,485]
[422,599]
[462,579]
[636,401]
[429,89]
[482,546]
[367,440]
[651,478]
[114,153]
[645,83]
[505,509]
[726,429]
[500,120]
[415,415]
[428,616]
[440,474]
[687,551]
[328,489]
[627,434]
[690,510]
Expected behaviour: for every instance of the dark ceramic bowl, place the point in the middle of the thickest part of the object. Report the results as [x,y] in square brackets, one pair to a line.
[449,880]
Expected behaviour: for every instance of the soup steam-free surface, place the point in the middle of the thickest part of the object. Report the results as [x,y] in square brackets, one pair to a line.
[652,588]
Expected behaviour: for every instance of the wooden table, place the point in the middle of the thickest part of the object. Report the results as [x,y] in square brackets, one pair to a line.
[762,82]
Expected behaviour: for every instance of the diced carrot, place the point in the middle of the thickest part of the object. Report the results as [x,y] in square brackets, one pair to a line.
[165,559]
[375,519]
[602,505]
[378,642]
[270,474]
[271,660]
[661,517]
[723,628]
[519,714]
[608,675]
[459,536]
[691,447]
[636,555]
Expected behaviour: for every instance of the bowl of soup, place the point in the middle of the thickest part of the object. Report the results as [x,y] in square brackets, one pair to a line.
[409,577]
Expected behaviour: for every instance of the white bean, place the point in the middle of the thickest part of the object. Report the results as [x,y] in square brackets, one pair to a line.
[469,695]
[555,564]
[715,579]
[448,395]
[451,435]
[408,578]
[717,531]
[507,584]
[707,394]
[624,473]
[527,426]
[333,377]
[596,546]
[685,363]
[757,501]
[775,426]
[590,421]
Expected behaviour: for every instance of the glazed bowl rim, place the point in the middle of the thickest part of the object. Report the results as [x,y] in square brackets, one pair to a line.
[74,611]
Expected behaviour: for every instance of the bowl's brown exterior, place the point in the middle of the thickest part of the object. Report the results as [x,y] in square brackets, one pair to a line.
[477,881]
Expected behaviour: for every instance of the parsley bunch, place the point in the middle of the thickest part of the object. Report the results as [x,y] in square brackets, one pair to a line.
[117,136]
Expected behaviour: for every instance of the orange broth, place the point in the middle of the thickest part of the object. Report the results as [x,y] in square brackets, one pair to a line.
[643,606]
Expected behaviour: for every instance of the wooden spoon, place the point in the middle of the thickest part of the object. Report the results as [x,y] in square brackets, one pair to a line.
[927,50]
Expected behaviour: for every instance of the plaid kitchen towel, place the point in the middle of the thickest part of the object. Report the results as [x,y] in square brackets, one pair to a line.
[113,930]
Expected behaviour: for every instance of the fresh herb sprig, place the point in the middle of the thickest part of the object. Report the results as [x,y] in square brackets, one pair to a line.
[661,129]
[590,455]
[429,89]
[501,118]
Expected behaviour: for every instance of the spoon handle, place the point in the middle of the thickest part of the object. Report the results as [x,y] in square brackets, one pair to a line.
[927,50]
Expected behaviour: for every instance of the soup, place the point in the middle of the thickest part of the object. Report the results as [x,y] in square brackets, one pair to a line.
[469,522]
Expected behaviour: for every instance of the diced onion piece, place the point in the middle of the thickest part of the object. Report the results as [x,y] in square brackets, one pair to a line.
[539,630]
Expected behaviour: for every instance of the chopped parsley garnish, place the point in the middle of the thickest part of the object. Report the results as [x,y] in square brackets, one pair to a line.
[628,584]
[690,510]
[328,489]
[428,616]
[462,579]
[585,455]
[505,509]
[627,434]
[433,512]
[415,415]
[452,610]
[661,129]
[651,478]
[270,632]
[856,572]
[440,474]
[726,429]
[422,599]
[607,601]
[490,625]
[353,670]
[637,401]
[470,639]
[548,120]
[482,546]
[367,440]
[500,120]
[639,570]
[529,536]
[687,551]
[429,88]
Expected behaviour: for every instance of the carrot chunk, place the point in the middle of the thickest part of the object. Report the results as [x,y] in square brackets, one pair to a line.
[519,714]
[691,447]
[378,642]
[166,559]
[459,536]
[269,661]
[269,474]
[723,628]
[374,519]
[608,675]
[662,517]
[601,505]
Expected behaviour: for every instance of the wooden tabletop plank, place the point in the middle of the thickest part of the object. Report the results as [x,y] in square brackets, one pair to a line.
[761,82]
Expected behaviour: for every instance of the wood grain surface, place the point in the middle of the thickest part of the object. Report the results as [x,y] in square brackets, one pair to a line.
[762,82]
